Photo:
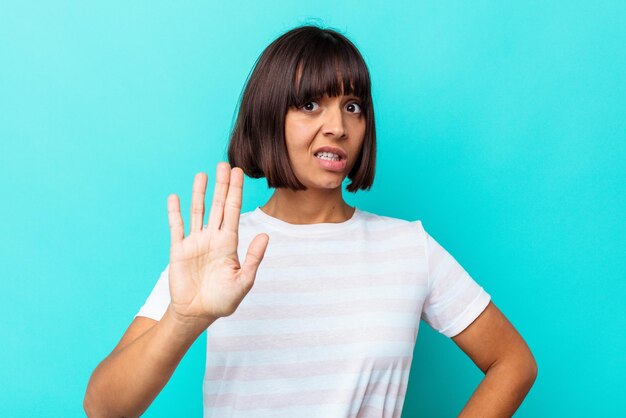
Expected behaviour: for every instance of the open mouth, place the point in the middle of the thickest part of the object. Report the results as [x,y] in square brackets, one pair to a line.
[328,156]
[330,161]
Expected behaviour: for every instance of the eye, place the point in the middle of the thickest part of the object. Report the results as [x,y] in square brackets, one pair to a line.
[354,107]
[310,106]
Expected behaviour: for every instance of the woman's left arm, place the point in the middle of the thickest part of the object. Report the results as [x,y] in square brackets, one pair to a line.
[496,347]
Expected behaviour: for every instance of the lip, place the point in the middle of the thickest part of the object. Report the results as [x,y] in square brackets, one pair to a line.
[336,166]
[341,153]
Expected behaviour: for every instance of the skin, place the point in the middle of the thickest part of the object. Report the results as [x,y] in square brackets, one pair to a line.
[491,341]
[207,280]
[496,347]
[333,121]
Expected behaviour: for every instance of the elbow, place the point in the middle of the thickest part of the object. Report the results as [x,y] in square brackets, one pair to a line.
[88,405]
[520,371]
[96,407]
[526,371]
[92,407]
[93,411]
[90,401]
[531,371]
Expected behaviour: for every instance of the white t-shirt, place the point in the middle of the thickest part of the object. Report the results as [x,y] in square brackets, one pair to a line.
[329,327]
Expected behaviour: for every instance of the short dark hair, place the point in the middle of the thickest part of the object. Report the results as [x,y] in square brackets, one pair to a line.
[304,63]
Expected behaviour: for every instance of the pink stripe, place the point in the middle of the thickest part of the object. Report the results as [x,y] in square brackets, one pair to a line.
[311,339]
[299,398]
[391,391]
[412,253]
[370,234]
[312,284]
[305,369]
[367,411]
[388,391]
[323,310]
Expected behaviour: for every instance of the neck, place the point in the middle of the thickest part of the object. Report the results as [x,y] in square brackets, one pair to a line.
[308,206]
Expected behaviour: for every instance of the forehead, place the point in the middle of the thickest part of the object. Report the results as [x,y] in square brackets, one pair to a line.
[330,75]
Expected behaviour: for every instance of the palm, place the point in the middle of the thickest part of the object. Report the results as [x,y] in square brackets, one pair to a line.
[206,277]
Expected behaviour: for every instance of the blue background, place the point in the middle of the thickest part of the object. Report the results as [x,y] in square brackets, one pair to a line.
[502,126]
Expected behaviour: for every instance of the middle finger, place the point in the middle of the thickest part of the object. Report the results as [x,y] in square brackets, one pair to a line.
[233,200]
[222,179]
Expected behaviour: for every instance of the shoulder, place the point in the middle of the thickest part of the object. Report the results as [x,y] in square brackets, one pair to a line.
[375,218]
[377,222]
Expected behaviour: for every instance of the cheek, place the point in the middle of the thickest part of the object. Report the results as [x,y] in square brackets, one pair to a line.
[358,131]
[299,136]
[360,126]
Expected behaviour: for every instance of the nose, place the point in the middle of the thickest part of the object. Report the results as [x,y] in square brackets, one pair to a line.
[333,122]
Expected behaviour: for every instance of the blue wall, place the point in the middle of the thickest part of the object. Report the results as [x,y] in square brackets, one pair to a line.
[502,126]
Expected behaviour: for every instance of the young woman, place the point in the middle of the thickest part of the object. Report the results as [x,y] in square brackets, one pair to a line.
[322,316]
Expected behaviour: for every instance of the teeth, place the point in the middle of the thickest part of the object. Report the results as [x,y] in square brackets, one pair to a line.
[327,156]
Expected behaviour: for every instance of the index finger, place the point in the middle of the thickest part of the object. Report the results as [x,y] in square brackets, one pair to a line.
[177,229]
[197,202]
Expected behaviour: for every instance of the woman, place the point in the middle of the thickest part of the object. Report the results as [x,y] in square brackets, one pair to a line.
[329,327]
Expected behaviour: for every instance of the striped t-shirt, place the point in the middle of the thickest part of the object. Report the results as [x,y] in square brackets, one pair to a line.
[329,326]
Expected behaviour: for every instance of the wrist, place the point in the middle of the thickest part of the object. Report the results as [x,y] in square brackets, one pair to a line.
[187,324]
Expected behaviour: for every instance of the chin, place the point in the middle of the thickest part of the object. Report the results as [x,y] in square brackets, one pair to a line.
[329,182]
[327,186]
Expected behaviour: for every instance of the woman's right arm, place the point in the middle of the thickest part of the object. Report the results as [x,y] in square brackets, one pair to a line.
[127,381]
[206,282]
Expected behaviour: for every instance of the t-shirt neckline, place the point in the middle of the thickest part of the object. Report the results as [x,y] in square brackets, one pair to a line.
[307,229]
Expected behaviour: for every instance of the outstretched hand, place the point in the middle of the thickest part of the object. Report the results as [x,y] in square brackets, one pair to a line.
[205,277]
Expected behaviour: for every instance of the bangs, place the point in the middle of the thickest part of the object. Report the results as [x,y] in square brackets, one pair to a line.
[328,67]
[302,65]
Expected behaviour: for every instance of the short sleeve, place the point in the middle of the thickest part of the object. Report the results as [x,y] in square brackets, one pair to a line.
[159,299]
[454,299]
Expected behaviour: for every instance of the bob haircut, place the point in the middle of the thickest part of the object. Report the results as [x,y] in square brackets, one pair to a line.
[301,65]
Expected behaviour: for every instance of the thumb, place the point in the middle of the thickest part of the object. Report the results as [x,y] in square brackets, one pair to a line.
[254,256]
